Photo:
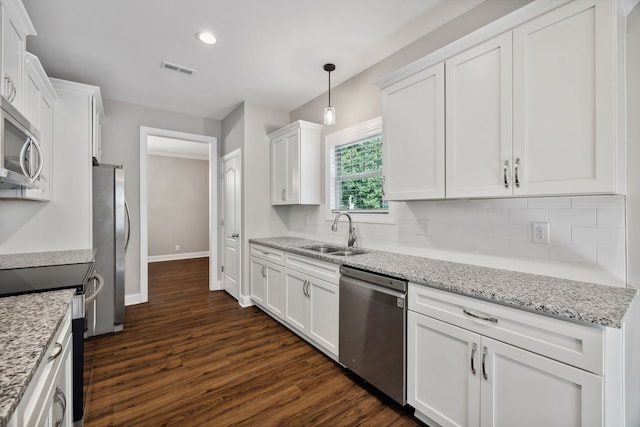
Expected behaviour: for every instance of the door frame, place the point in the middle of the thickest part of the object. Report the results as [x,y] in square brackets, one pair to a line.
[235,153]
[145,132]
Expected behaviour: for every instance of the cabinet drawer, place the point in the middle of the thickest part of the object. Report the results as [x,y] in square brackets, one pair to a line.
[313,267]
[266,253]
[579,345]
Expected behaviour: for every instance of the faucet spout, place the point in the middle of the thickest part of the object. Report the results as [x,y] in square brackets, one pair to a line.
[351,239]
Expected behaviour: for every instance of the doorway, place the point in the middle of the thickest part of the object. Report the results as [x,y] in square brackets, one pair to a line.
[231,166]
[145,133]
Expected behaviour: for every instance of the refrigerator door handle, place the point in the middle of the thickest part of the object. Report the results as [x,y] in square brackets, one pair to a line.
[88,300]
[126,209]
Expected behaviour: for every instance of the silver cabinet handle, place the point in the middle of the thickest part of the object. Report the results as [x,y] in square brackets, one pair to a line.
[484,359]
[264,274]
[473,356]
[283,194]
[504,174]
[265,253]
[57,351]
[14,90]
[517,179]
[304,288]
[475,316]
[126,210]
[61,400]
[384,178]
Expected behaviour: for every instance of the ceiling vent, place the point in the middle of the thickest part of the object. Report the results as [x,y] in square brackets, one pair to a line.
[178,68]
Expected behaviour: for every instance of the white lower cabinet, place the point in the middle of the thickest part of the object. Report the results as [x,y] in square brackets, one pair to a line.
[48,400]
[476,363]
[461,378]
[299,291]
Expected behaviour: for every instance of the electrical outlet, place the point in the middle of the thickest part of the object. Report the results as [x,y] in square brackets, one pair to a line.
[540,232]
[177,247]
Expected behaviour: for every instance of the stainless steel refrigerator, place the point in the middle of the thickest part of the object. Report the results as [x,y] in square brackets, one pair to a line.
[111,232]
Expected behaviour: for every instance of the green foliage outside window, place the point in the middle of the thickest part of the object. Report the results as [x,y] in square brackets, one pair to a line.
[358,176]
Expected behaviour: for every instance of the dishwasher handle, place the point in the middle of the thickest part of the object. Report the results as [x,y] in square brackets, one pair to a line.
[352,281]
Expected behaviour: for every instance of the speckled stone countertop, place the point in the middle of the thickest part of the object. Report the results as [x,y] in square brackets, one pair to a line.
[27,326]
[567,299]
[38,259]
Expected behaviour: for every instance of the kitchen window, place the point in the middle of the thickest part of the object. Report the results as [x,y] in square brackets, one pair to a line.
[354,173]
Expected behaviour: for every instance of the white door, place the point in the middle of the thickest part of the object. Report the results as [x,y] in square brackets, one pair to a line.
[526,390]
[231,225]
[478,103]
[564,101]
[443,371]
[413,136]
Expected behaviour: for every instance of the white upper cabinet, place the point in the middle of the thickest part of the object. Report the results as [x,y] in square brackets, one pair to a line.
[16,26]
[534,103]
[295,164]
[478,105]
[564,101]
[413,136]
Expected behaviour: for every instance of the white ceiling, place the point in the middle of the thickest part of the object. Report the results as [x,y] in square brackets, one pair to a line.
[269,52]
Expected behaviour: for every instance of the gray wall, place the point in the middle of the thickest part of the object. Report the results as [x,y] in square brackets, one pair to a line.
[633,147]
[121,145]
[247,128]
[178,205]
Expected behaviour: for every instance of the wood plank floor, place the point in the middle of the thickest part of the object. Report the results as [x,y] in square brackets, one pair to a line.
[193,357]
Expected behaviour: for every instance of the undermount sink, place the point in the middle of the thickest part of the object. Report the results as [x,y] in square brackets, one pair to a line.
[335,250]
[324,249]
[349,252]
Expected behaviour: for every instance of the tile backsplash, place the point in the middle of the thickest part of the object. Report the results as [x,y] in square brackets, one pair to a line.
[586,234]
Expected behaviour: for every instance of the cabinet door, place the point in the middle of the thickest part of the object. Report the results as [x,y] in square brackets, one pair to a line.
[324,313]
[564,101]
[13,46]
[443,373]
[295,303]
[478,123]
[413,136]
[292,189]
[275,289]
[278,171]
[258,280]
[528,390]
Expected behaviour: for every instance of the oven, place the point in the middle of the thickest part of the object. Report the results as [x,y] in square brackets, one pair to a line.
[87,283]
[372,330]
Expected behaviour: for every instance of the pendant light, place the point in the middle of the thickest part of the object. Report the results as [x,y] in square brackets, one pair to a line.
[329,111]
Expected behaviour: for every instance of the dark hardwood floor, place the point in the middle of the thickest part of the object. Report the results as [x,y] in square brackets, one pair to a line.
[193,357]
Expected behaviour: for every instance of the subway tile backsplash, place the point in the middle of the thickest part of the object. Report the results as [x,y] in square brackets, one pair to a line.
[586,234]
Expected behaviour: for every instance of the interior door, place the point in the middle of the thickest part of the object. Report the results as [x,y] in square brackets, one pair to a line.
[231,262]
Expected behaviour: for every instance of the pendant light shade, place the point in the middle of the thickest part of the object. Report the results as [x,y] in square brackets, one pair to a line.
[329,111]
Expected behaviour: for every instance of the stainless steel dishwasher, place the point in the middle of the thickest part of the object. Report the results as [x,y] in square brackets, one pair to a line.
[373,322]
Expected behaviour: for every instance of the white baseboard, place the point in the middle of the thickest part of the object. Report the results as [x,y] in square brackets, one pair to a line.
[217,286]
[175,257]
[133,299]
[245,301]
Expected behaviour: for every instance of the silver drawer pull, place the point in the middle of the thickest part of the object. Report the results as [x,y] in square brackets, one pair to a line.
[504,174]
[484,359]
[265,253]
[475,316]
[56,352]
[60,399]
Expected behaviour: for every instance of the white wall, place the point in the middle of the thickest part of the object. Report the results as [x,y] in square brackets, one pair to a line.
[121,145]
[178,205]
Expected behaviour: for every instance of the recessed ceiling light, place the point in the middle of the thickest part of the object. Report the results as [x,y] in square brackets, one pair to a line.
[206,37]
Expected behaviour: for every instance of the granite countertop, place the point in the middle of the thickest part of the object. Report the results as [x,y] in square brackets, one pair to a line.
[562,298]
[39,259]
[27,326]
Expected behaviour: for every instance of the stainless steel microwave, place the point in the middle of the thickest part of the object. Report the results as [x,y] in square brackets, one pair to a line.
[21,158]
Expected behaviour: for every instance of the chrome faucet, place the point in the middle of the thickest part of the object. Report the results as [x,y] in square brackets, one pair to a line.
[352,230]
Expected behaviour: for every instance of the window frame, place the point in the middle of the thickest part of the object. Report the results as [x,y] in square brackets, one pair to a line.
[354,133]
